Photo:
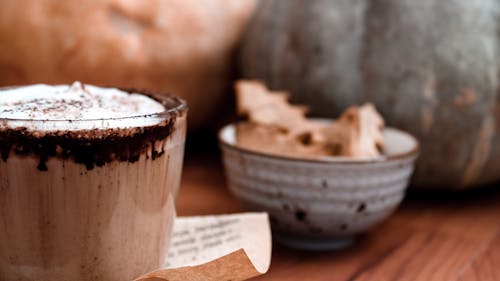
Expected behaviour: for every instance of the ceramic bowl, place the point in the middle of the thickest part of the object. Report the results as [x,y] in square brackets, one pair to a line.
[320,204]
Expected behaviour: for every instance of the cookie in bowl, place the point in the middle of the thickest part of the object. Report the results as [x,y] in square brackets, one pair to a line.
[322,181]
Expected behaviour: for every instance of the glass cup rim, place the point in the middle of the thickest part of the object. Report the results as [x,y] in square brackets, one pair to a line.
[164,99]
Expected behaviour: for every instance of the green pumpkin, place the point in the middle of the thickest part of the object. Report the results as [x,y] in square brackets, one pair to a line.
[431,67]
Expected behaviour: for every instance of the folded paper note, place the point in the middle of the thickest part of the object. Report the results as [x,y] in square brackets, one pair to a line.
[225,247]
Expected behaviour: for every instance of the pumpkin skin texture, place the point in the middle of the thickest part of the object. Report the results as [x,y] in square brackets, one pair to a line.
[430,66]
[184,47]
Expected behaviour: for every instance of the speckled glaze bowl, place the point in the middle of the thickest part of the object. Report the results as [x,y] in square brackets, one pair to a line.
[320,204]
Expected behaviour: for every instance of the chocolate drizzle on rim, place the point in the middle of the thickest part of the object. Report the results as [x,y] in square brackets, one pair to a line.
[94,147]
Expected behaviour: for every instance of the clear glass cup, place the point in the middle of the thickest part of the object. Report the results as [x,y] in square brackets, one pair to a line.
[94,204]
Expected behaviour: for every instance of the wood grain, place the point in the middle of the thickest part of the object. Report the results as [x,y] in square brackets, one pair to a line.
[433,236]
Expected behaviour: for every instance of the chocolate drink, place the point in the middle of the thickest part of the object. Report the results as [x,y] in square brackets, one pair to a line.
[88,178]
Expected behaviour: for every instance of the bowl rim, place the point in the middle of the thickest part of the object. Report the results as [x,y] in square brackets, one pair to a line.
[412,153]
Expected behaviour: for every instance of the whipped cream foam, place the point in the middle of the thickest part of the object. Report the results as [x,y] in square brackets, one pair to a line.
[76,107]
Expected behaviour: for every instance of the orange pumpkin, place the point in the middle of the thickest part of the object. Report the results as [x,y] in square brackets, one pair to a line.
[180,46]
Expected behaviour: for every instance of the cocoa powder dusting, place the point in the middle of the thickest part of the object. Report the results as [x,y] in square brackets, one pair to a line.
[89,152]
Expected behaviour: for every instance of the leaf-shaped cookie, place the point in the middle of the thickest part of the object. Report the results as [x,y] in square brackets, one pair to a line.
[357,132]
[266,107]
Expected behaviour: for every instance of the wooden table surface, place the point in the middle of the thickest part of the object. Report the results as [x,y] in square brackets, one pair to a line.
[432,236]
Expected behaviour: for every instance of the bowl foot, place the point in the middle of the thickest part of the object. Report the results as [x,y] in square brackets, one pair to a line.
[314,244]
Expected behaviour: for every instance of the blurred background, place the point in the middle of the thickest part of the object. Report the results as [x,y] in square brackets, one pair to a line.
[431,66]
